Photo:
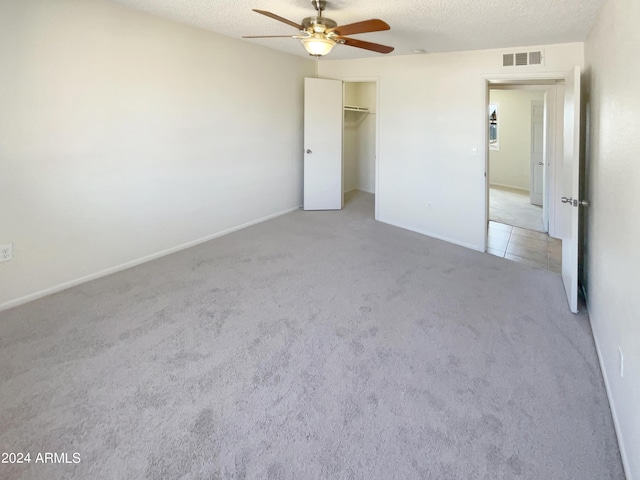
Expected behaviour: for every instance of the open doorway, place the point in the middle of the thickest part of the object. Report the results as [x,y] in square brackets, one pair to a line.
[359,143]
[516,156]
[522,147]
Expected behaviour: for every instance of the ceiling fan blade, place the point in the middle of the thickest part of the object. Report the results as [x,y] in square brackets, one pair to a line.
[374,47]
[279,18]
[268,36]
[366,26]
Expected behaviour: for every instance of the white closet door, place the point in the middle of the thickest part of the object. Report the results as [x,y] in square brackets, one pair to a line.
[322,144]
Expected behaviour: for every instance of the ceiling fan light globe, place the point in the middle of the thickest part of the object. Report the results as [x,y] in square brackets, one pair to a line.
[318,45]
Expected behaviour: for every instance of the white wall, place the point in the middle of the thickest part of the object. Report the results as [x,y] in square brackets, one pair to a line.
[349,156]
[432,114]
[360,137]
[124,135]
[613,228]
[350,141]
[510,166]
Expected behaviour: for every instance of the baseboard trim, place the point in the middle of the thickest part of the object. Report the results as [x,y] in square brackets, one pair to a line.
[359,190]
[612,406]
[123,266]
[433,235]
[502,185]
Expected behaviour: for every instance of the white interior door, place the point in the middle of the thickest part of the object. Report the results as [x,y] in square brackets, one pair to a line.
[322,144]
[554,160]
[537,152]
[571,187]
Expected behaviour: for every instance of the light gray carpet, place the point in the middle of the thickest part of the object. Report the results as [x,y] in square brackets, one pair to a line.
[318,345]
[513,207]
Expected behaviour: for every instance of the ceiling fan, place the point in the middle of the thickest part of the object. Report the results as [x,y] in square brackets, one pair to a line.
[320,34]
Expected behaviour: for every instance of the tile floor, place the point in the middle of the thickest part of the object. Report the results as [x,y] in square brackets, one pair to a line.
[532,248]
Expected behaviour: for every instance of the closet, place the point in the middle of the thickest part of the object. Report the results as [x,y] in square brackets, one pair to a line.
[359,136]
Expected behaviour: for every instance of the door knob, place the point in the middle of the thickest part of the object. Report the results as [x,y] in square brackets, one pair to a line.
[575,203]
[540,163]
[309,151]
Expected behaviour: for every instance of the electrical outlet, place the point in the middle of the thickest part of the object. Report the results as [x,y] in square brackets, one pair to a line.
[6,252]
[621,363]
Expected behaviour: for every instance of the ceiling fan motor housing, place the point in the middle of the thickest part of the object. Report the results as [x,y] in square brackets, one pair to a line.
[318,24]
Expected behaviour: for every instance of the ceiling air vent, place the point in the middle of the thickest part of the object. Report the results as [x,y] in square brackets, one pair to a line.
[521,59]
[507,60]
[535,58]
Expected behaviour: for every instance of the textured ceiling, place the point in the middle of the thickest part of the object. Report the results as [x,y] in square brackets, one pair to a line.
[430,25]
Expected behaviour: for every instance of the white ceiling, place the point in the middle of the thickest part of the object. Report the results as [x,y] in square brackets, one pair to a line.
[431,25]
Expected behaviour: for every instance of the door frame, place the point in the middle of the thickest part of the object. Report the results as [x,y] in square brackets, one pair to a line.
[552,142]
[488,81]
[375,80]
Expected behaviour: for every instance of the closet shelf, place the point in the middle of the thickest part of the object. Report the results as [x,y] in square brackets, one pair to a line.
[353,108]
